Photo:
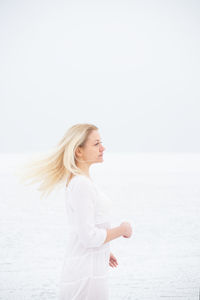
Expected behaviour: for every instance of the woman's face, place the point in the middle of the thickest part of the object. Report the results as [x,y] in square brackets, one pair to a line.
[92,152]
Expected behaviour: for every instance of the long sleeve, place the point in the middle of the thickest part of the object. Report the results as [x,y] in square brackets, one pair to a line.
[83,198]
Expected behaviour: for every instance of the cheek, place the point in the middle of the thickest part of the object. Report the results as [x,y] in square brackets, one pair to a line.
[89,154]
[94,152]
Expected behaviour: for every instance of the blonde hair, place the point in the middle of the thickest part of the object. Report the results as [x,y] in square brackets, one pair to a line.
[59,165]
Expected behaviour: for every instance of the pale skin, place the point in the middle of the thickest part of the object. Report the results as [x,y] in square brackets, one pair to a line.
[91,153]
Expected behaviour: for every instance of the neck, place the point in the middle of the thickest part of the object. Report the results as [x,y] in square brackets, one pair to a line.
[84,168]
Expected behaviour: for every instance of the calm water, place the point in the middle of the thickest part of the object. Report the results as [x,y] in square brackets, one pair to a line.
[159,194]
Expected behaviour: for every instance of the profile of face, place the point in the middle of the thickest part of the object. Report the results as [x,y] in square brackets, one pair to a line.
[92,152]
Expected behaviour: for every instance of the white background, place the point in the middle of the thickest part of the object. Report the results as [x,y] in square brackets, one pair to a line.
[129,67]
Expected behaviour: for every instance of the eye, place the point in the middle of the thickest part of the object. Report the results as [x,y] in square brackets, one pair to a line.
[97,144]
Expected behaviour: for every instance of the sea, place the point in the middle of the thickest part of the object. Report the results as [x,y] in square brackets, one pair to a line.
[157,193]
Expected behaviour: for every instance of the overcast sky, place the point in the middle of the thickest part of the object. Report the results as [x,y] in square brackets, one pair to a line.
[130,67]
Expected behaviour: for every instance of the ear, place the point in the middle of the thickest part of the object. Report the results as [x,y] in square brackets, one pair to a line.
[78,151]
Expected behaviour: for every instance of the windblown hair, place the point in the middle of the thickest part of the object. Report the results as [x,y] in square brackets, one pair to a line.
[60,163]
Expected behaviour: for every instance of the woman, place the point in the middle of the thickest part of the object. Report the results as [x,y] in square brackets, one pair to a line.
[85,270]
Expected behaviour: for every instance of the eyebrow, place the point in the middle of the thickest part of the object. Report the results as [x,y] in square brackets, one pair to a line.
[97,140]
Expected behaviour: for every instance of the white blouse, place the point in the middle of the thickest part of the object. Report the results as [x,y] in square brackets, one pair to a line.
[85,270]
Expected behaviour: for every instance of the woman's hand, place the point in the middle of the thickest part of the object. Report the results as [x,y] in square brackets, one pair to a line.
[127,229]
[113,261]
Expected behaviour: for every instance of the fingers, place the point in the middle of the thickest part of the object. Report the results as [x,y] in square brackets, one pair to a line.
[113,263]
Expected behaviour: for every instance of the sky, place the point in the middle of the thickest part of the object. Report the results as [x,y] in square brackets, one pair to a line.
[129,67]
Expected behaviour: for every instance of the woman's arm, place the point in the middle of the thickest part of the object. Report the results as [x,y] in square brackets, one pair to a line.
[114,233]
[83,201]
[124,229]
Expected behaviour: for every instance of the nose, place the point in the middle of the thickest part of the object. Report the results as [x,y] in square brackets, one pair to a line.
[102,148]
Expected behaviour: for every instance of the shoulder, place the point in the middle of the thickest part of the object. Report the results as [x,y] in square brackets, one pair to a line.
[82,187]
[79,181]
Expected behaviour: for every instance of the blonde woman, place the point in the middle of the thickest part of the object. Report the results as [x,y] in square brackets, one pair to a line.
[84,273]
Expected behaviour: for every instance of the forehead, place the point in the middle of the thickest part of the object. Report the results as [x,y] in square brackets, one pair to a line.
[94,136]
